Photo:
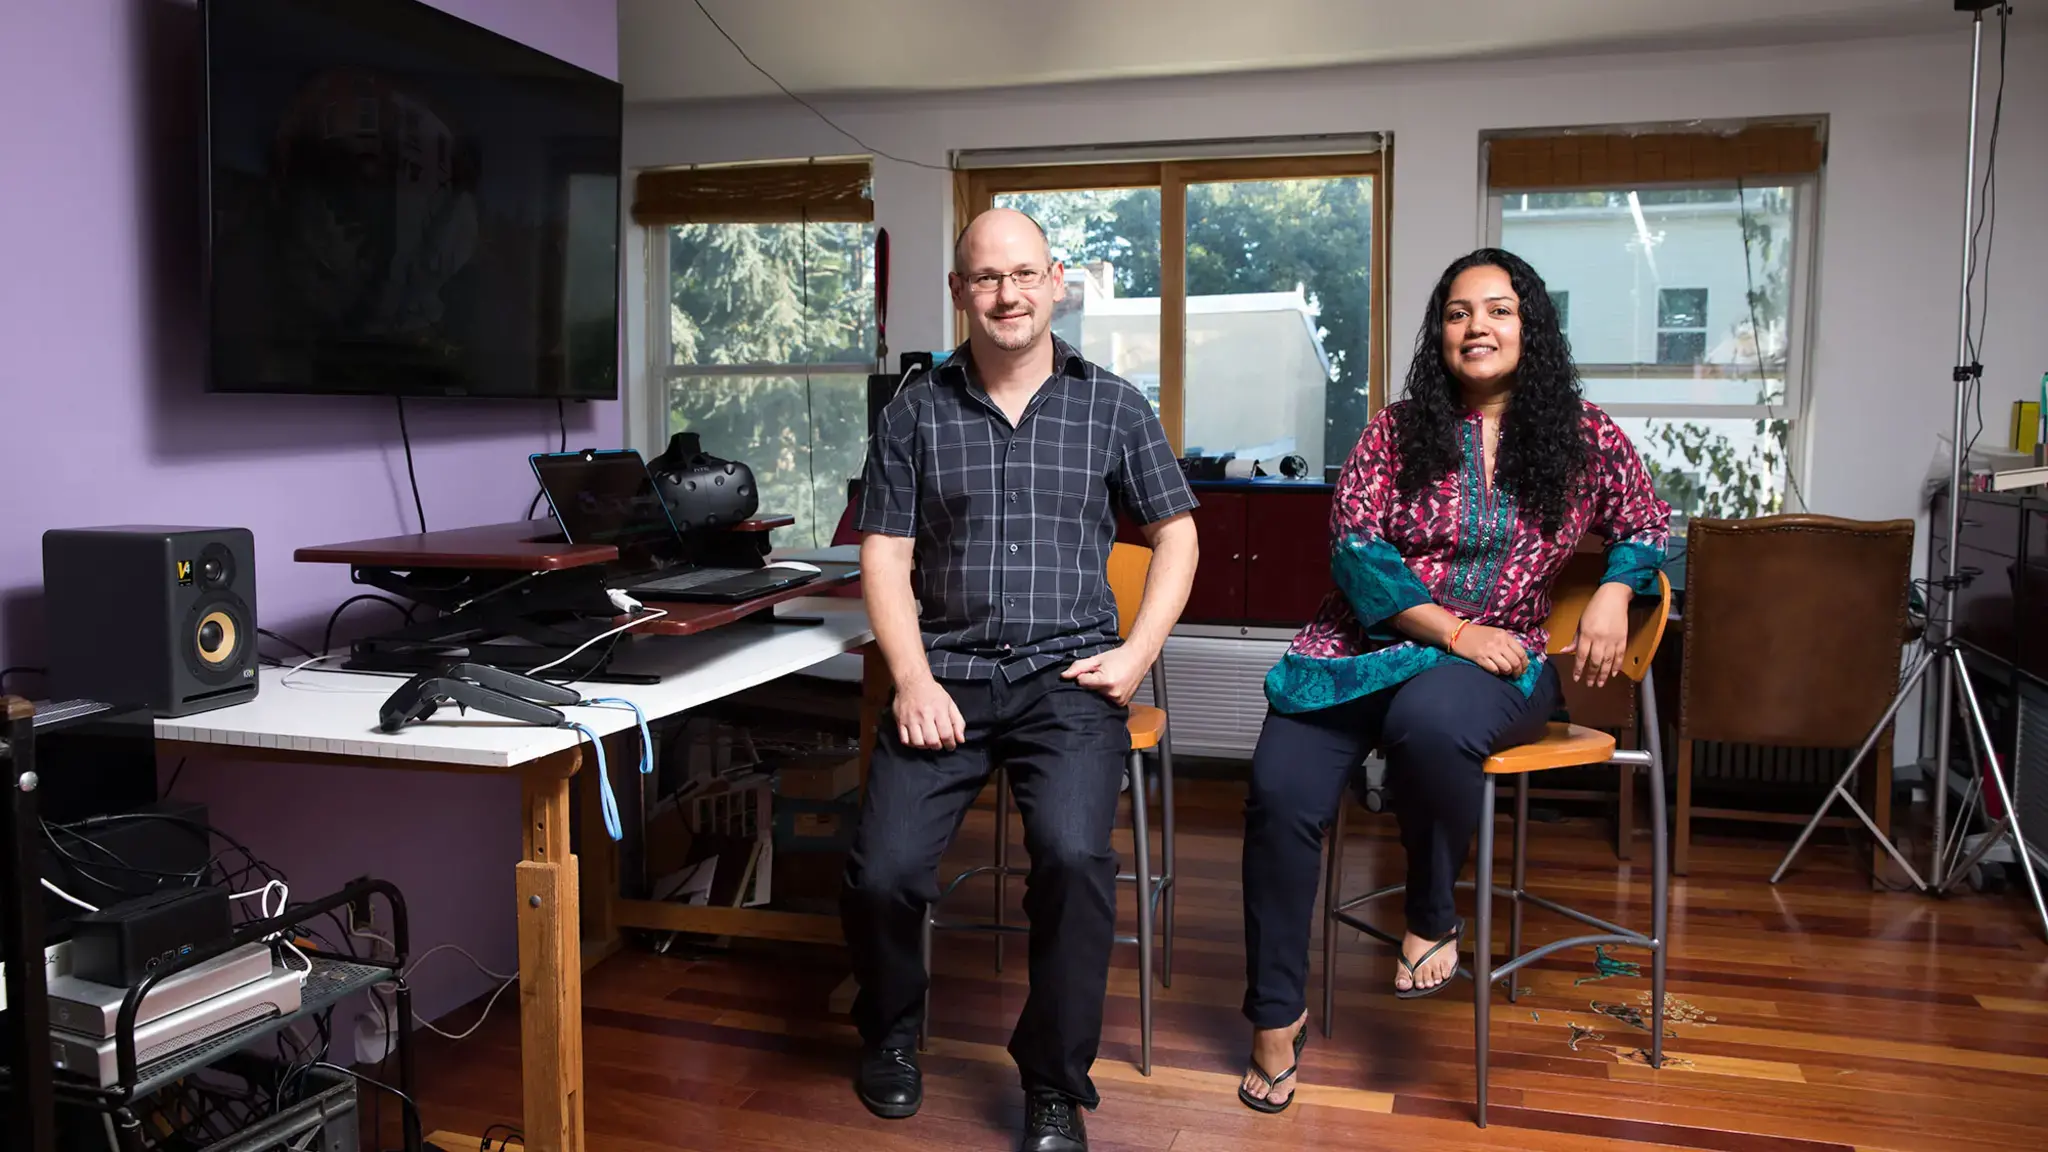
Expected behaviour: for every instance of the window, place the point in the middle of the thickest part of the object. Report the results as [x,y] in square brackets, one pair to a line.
[1689,291]
[1240,294]
[1561,298]
[765,274]
[1681,325]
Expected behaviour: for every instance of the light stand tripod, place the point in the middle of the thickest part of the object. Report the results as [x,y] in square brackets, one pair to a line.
[1942,650]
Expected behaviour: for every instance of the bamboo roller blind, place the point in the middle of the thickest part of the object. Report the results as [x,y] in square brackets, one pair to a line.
[1523,163]
[754,194]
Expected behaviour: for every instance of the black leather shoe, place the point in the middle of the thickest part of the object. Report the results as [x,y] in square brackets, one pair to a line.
[889,1082]
[1052,1123]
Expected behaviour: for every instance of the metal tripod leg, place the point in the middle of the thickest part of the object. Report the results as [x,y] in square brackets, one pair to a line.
[1841,784]
[1997,782]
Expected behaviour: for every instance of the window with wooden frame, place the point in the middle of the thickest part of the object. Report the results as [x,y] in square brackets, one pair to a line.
[1244,296]
[762,283]
[1686,254]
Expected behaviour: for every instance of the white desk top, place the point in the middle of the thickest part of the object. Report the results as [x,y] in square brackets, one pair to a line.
[336,712]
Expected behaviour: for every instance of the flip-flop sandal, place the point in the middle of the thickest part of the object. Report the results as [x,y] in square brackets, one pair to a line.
[1273,1082]
[1415,990]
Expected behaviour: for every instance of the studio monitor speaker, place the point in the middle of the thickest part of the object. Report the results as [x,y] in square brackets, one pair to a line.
[151,617]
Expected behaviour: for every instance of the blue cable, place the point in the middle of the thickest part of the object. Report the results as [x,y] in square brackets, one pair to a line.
[646,738]
[605,801]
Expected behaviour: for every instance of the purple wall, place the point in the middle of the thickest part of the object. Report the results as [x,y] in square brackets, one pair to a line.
[102,420]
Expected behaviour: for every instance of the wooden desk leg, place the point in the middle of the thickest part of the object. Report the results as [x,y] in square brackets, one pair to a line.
[550,962]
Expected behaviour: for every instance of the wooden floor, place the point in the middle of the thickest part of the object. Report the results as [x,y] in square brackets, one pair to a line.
[1813,1016]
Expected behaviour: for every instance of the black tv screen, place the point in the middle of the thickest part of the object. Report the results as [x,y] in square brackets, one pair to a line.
[403,203]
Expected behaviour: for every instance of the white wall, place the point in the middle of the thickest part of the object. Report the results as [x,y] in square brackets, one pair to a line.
[1884,336]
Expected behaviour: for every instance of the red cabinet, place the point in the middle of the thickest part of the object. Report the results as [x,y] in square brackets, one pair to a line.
[1219,588]
[1287,562]
[1265,554]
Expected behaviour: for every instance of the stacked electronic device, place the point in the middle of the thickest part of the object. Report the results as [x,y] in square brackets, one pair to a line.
[118,947]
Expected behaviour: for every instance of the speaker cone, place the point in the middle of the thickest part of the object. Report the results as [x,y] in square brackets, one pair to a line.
[217,638]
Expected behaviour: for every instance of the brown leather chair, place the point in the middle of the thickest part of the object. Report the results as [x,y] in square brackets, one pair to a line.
[1794,627]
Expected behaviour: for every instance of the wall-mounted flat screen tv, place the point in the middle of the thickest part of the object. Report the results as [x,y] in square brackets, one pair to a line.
[402,203]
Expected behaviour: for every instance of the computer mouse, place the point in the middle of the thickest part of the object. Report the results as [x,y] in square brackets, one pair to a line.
[796,564]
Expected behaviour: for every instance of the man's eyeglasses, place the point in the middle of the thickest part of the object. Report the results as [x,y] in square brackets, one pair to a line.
[984,283]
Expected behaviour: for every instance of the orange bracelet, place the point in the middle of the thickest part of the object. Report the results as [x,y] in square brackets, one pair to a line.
[1455,633]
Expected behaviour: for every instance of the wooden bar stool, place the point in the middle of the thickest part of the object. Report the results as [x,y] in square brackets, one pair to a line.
[1561,746]
[1128,566]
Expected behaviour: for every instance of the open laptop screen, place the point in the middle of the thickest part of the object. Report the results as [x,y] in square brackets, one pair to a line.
[608,498]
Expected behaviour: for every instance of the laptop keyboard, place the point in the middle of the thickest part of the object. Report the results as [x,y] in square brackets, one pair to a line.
[684,581]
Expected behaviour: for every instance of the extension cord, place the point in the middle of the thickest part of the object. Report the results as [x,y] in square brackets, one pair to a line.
[622,602]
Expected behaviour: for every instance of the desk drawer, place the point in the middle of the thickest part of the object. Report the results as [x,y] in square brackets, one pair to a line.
[1992,526]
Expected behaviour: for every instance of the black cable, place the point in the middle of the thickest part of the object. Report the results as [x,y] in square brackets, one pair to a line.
[810,420]
[410,475]
[561,420]
[6,672]
[175,773]
[286,640]
[1987,225]
[865,146]
[367,1080]
[327,638]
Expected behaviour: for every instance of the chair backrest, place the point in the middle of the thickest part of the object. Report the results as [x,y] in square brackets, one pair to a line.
[1573,590]
[1128,565]
[1793,628]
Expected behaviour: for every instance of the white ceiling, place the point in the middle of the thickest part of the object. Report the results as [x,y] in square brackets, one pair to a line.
[668,51]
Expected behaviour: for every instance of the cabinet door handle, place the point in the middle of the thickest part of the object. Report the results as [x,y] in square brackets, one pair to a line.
[1237,555]
[1255,555]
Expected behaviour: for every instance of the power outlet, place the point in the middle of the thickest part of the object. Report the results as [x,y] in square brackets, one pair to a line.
[373,1040]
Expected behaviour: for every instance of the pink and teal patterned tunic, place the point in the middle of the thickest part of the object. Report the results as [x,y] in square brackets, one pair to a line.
[1464,545]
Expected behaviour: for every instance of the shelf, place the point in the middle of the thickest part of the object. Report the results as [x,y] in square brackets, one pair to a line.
[330,982]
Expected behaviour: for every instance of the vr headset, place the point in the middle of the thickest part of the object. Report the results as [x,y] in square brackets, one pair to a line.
[701,490]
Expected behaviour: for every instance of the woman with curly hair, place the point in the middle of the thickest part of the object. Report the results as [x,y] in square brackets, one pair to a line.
[1451,519]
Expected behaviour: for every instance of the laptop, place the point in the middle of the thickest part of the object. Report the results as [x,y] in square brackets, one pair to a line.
[608,497]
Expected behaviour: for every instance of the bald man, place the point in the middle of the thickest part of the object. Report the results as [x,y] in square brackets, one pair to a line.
[996,478]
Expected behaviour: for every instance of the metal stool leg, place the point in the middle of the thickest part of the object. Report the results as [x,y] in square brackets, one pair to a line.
[1141,839]
[1660,873]
[1002,857]
[1520,867]
[1333,872]
[1166,863]
[1482,940]
[1166,894]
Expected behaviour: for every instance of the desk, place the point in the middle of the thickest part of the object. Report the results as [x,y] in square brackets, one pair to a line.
[331,718]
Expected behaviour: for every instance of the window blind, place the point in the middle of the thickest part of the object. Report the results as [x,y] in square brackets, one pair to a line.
[1611,159]
[837,191]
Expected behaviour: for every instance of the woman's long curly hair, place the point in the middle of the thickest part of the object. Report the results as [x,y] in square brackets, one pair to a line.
[1543,454]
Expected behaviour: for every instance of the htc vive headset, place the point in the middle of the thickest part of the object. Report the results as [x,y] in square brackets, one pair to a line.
[702,491]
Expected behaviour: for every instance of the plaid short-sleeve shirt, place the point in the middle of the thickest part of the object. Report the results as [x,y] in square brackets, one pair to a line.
[1014,525]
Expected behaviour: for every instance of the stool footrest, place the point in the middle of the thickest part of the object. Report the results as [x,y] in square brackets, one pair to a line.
[1510,967]
[1581,917]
